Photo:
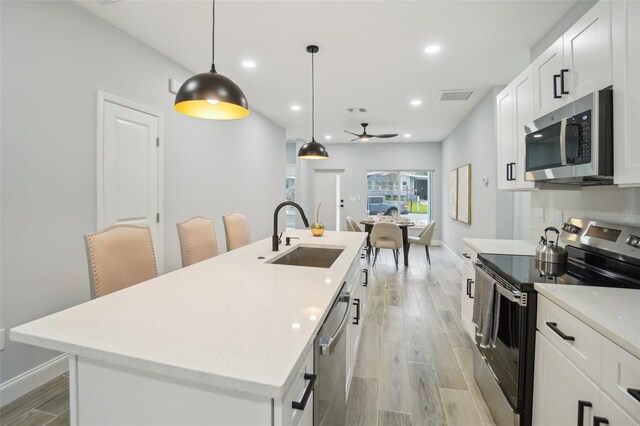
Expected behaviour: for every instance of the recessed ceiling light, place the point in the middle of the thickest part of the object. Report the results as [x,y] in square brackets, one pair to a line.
[432,48]
[407,135]
[327,137]
[295,107]
[416,102]
[295,325]
[248,64]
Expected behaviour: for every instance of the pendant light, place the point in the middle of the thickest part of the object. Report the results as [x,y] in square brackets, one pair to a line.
[313,150]
[211,95]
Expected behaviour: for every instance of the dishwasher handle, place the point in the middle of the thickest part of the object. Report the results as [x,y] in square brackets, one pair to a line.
[328,343]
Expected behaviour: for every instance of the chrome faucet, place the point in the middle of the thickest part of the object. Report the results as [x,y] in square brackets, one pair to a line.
[275,239]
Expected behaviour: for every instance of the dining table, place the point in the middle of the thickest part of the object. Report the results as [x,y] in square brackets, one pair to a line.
[402,224]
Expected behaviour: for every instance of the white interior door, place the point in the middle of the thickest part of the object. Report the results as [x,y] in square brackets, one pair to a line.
[327,190]
[130,170]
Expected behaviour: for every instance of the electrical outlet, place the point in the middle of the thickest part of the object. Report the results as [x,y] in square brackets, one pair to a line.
[1,339]
[538,214]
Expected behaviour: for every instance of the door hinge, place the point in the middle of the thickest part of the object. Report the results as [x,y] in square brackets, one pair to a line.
[157,217]
[158,141]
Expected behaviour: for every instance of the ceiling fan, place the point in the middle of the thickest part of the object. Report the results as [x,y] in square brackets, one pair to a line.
[365,136]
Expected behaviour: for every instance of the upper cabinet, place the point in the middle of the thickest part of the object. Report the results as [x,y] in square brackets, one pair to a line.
[514,109]
[626,92]
[577,63]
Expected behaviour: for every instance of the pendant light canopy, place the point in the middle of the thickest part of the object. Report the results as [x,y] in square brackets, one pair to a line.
[211,95]
[313,150]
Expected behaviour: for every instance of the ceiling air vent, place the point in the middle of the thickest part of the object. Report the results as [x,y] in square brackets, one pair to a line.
[454,95]
[354,110]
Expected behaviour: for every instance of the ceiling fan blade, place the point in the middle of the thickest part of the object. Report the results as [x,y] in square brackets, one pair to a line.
[351,133]
[386,135]
[356,139]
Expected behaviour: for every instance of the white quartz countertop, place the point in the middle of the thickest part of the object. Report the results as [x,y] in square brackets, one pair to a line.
[613,312]
[517,247]
[232,321]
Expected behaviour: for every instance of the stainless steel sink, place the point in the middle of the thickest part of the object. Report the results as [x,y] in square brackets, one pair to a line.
[315,257]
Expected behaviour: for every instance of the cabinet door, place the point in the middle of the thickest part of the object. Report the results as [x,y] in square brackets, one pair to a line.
[559,387]
[613,413]
[523,115]
[626,92]
[505,135]
[354,328]
[545,68]
[587,52]
[466,311]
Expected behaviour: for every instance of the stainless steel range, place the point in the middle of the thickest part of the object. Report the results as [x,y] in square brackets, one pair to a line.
[599,254]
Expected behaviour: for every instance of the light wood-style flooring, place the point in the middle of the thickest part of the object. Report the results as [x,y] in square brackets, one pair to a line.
[414,365]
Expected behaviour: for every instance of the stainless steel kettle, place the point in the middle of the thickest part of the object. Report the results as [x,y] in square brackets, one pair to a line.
[549,251]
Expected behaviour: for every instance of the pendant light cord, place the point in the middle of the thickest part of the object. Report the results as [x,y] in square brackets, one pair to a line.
[213,37]
[313,99]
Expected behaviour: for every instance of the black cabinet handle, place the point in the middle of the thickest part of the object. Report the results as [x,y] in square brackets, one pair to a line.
[600,421]
[555,86]
[562,73]
[356,319]
[366,277]
[512,173]
[466,255]
[635,393]
[581,405]
[554,327]
[471,282]
[299,405]
[468,286]
[508,166]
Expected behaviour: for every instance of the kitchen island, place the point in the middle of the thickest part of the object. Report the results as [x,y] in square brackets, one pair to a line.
[224,341]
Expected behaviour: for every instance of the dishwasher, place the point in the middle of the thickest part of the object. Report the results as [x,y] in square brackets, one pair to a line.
[330,363]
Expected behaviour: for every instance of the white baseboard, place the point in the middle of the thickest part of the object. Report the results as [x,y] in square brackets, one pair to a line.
[32,379]
[456,256]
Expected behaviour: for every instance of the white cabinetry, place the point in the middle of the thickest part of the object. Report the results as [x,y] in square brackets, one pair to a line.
[514,109]
[581,377]
[577,63]
[468,287]
[357,283]
[626,91]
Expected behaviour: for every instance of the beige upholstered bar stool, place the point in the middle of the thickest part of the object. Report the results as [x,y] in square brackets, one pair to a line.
[197,240]
[236,230]
[386,235]
[424,238]
[119,256]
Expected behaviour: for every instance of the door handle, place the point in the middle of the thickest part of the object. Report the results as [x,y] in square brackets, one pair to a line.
[468,286]
[635,393]
[555,86]
[327,344]
[466,255]
[600,421]
[299,405]
[356,319]
[581,405]
[562,73]
[366,277]
[554,327]
[471,282]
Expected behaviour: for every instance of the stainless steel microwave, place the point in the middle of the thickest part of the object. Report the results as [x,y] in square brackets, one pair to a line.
[574,144]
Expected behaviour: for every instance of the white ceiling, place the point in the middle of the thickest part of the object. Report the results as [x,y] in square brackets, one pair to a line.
[371,55]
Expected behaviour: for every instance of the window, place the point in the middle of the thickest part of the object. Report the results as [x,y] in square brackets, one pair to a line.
[404,192]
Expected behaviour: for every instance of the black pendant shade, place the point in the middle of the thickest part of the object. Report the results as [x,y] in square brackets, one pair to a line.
[211,95]
[313,150]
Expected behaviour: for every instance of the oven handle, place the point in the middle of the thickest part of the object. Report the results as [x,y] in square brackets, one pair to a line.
[509,295]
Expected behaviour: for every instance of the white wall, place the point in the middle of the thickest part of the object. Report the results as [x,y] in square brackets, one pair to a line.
[55,56]
[356,159]
[474,141]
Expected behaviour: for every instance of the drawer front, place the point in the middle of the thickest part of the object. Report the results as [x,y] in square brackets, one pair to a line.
[470,255]
[621,377]
[576,340]
[293,416]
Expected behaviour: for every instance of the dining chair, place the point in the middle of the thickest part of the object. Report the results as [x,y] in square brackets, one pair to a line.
[197,240]
[424,238]
[352,225]
[388,236]
[119,256]
[236,231]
